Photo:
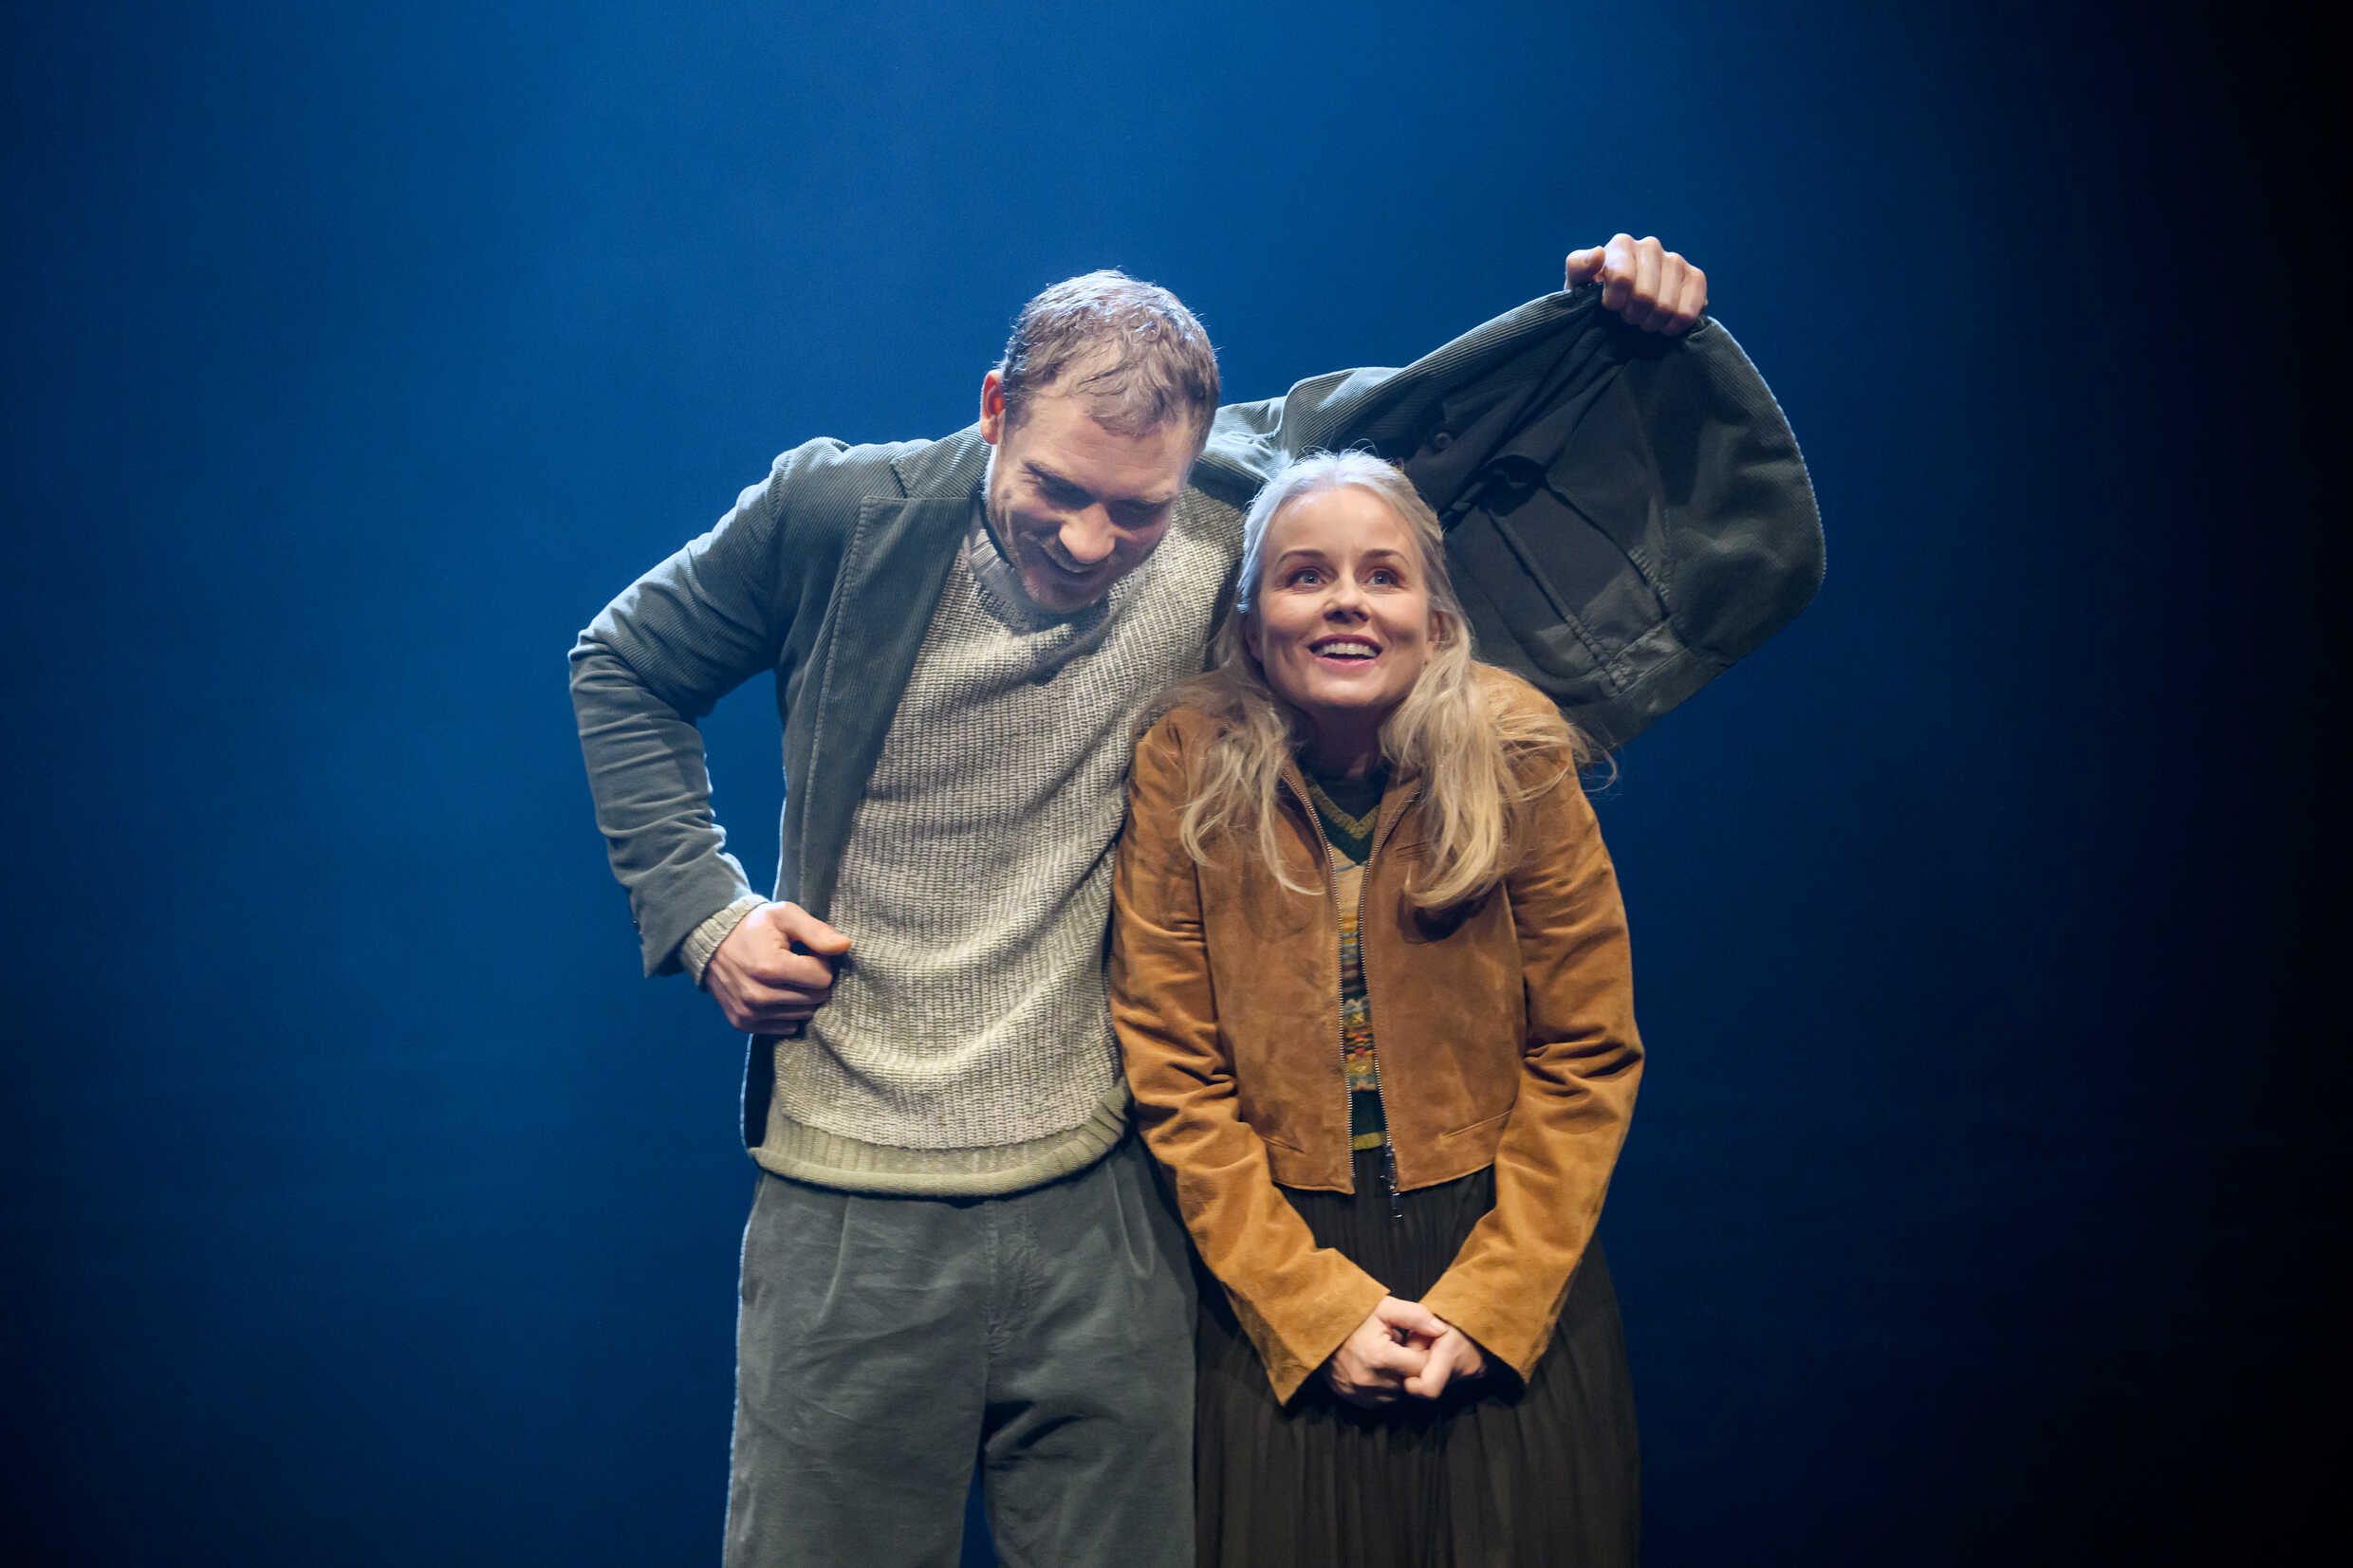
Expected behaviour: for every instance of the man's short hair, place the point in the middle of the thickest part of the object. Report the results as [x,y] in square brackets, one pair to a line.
[1135,352]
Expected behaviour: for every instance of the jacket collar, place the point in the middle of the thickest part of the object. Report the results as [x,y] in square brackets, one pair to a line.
[1400,792]
[950,466]
[889,585]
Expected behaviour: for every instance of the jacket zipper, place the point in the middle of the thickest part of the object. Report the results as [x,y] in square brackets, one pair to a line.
[1364,970]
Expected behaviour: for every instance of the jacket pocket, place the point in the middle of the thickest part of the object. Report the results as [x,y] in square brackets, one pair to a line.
[1483,1125]
[1274,1140]
[1571,596]
[1262,1108]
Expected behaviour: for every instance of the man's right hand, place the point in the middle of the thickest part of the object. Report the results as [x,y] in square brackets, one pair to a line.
[775,969]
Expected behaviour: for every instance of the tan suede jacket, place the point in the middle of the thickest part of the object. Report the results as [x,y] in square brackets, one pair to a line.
[1505,1031]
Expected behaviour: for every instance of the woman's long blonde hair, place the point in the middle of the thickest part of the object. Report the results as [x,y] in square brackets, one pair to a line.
[1472,756]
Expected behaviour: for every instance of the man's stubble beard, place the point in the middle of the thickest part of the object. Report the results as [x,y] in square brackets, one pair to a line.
[1018,550]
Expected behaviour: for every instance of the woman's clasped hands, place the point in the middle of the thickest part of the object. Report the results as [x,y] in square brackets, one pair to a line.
[1401,1348]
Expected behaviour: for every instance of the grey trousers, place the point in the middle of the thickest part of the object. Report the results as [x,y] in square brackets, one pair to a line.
[885,1344]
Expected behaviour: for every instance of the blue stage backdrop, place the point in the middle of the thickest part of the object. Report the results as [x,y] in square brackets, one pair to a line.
[364,1206]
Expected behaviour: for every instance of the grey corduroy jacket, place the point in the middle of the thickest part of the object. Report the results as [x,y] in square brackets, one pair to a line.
[1627,515]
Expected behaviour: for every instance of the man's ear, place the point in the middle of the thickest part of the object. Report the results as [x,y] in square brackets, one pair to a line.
[992,408]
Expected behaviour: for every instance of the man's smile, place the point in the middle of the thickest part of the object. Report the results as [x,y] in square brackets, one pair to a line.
[1046,550]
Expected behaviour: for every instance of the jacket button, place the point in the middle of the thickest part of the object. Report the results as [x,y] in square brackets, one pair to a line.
[1441,441]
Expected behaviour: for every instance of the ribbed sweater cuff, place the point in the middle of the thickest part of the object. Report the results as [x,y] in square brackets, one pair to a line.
[694,953]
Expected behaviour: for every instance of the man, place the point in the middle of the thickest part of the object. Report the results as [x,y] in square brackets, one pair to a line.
[957,1249]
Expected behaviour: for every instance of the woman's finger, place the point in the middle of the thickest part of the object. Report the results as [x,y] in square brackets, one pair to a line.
[1411,1317]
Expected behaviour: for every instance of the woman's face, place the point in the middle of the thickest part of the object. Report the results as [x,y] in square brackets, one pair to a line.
[1343,625]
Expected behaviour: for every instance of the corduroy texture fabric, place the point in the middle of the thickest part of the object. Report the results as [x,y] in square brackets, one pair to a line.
[884,1343]
[1495,1473]
[969,1027]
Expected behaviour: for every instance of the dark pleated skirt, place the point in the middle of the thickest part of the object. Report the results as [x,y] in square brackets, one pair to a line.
[1495,1472]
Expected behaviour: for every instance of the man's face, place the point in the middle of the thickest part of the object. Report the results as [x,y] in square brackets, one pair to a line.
[1075,506]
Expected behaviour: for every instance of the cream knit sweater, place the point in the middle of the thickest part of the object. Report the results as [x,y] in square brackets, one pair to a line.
[968,1047]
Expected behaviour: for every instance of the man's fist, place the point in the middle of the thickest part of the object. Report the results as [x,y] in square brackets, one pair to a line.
[1643,283]
[775,969]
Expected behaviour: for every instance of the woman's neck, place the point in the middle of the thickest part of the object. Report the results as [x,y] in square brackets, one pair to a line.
[1336,752]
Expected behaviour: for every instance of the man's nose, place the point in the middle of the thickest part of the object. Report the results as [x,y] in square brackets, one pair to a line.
[1086,538]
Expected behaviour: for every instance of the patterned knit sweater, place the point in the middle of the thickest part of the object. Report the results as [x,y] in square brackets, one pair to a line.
[1347,810]
[967,1047]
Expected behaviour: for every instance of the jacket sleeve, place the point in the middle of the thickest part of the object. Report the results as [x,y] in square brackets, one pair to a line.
[1627,515]
[1579,1068]
[1297,1301]
[655,660]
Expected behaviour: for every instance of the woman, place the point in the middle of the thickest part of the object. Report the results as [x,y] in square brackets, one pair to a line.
[1369,971]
